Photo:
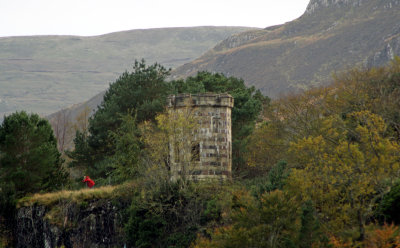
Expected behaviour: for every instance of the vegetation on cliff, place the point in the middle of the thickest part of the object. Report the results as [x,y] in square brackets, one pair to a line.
[29,162]
[138,96]
[318,169]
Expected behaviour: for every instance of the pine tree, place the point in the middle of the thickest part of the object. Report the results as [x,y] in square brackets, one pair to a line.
[29,158]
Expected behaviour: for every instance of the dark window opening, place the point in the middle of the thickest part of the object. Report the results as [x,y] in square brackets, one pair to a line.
[196,152]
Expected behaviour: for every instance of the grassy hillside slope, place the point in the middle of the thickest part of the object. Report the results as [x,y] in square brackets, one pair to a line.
[46,73]
[331,36]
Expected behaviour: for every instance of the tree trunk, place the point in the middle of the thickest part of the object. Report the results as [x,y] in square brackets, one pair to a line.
[361,226]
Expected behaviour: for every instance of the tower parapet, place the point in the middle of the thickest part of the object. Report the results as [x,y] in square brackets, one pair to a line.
[211,154]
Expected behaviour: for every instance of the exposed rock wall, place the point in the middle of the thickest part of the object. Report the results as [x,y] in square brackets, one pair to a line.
[315,5]
[95,224]
[236,40]
[389,50]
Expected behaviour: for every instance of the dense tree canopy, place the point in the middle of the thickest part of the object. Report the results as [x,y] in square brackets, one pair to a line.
[141,93]
[346,171]
[321,167]
[29,158]
[318,164]
[342,144]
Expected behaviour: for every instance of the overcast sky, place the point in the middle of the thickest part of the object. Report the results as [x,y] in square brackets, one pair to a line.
[94,17]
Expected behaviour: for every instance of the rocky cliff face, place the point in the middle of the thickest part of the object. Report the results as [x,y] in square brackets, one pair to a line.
[389,49]
[95,224]
[316,5]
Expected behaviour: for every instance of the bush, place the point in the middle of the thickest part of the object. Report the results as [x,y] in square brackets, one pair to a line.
[170,215]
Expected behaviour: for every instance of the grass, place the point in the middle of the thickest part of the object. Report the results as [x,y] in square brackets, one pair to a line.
[62,203]
[76,196]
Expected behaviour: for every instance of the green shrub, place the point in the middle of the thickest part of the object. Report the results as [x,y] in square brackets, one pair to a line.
[170,215]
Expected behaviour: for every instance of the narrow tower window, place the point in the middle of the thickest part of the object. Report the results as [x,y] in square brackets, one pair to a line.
[196,152]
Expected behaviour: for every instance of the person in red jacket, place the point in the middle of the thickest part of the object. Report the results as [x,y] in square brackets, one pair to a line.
[89,182]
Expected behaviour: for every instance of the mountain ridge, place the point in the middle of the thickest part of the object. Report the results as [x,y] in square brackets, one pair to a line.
[316,5]
[43,74]
[311,34]
[329,37]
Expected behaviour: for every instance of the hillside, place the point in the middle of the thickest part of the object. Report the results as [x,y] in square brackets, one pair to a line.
[330,36]
[46,73]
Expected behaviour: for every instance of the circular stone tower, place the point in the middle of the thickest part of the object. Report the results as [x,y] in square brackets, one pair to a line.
[211,142]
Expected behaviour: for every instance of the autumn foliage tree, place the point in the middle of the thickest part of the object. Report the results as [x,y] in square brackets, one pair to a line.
[62,128]
[348,169]
[285,120]
[310,171]
[174,131]
[341,143]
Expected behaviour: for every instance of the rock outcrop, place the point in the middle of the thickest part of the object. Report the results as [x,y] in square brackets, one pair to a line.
[315,5]
[389,49]
[94,224]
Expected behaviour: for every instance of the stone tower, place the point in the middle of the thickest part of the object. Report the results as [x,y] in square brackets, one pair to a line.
[211,141]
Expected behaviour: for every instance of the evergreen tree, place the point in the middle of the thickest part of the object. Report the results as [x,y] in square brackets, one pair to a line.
[141,92]
[388,210]
[125,161]
[310,232]
[29,158]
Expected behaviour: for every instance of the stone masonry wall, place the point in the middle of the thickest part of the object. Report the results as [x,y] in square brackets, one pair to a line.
[214,135]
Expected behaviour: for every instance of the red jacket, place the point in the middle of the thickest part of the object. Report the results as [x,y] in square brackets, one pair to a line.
[89,182]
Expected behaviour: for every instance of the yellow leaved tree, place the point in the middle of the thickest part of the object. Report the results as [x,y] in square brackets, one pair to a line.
[345,170]
[173,136]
